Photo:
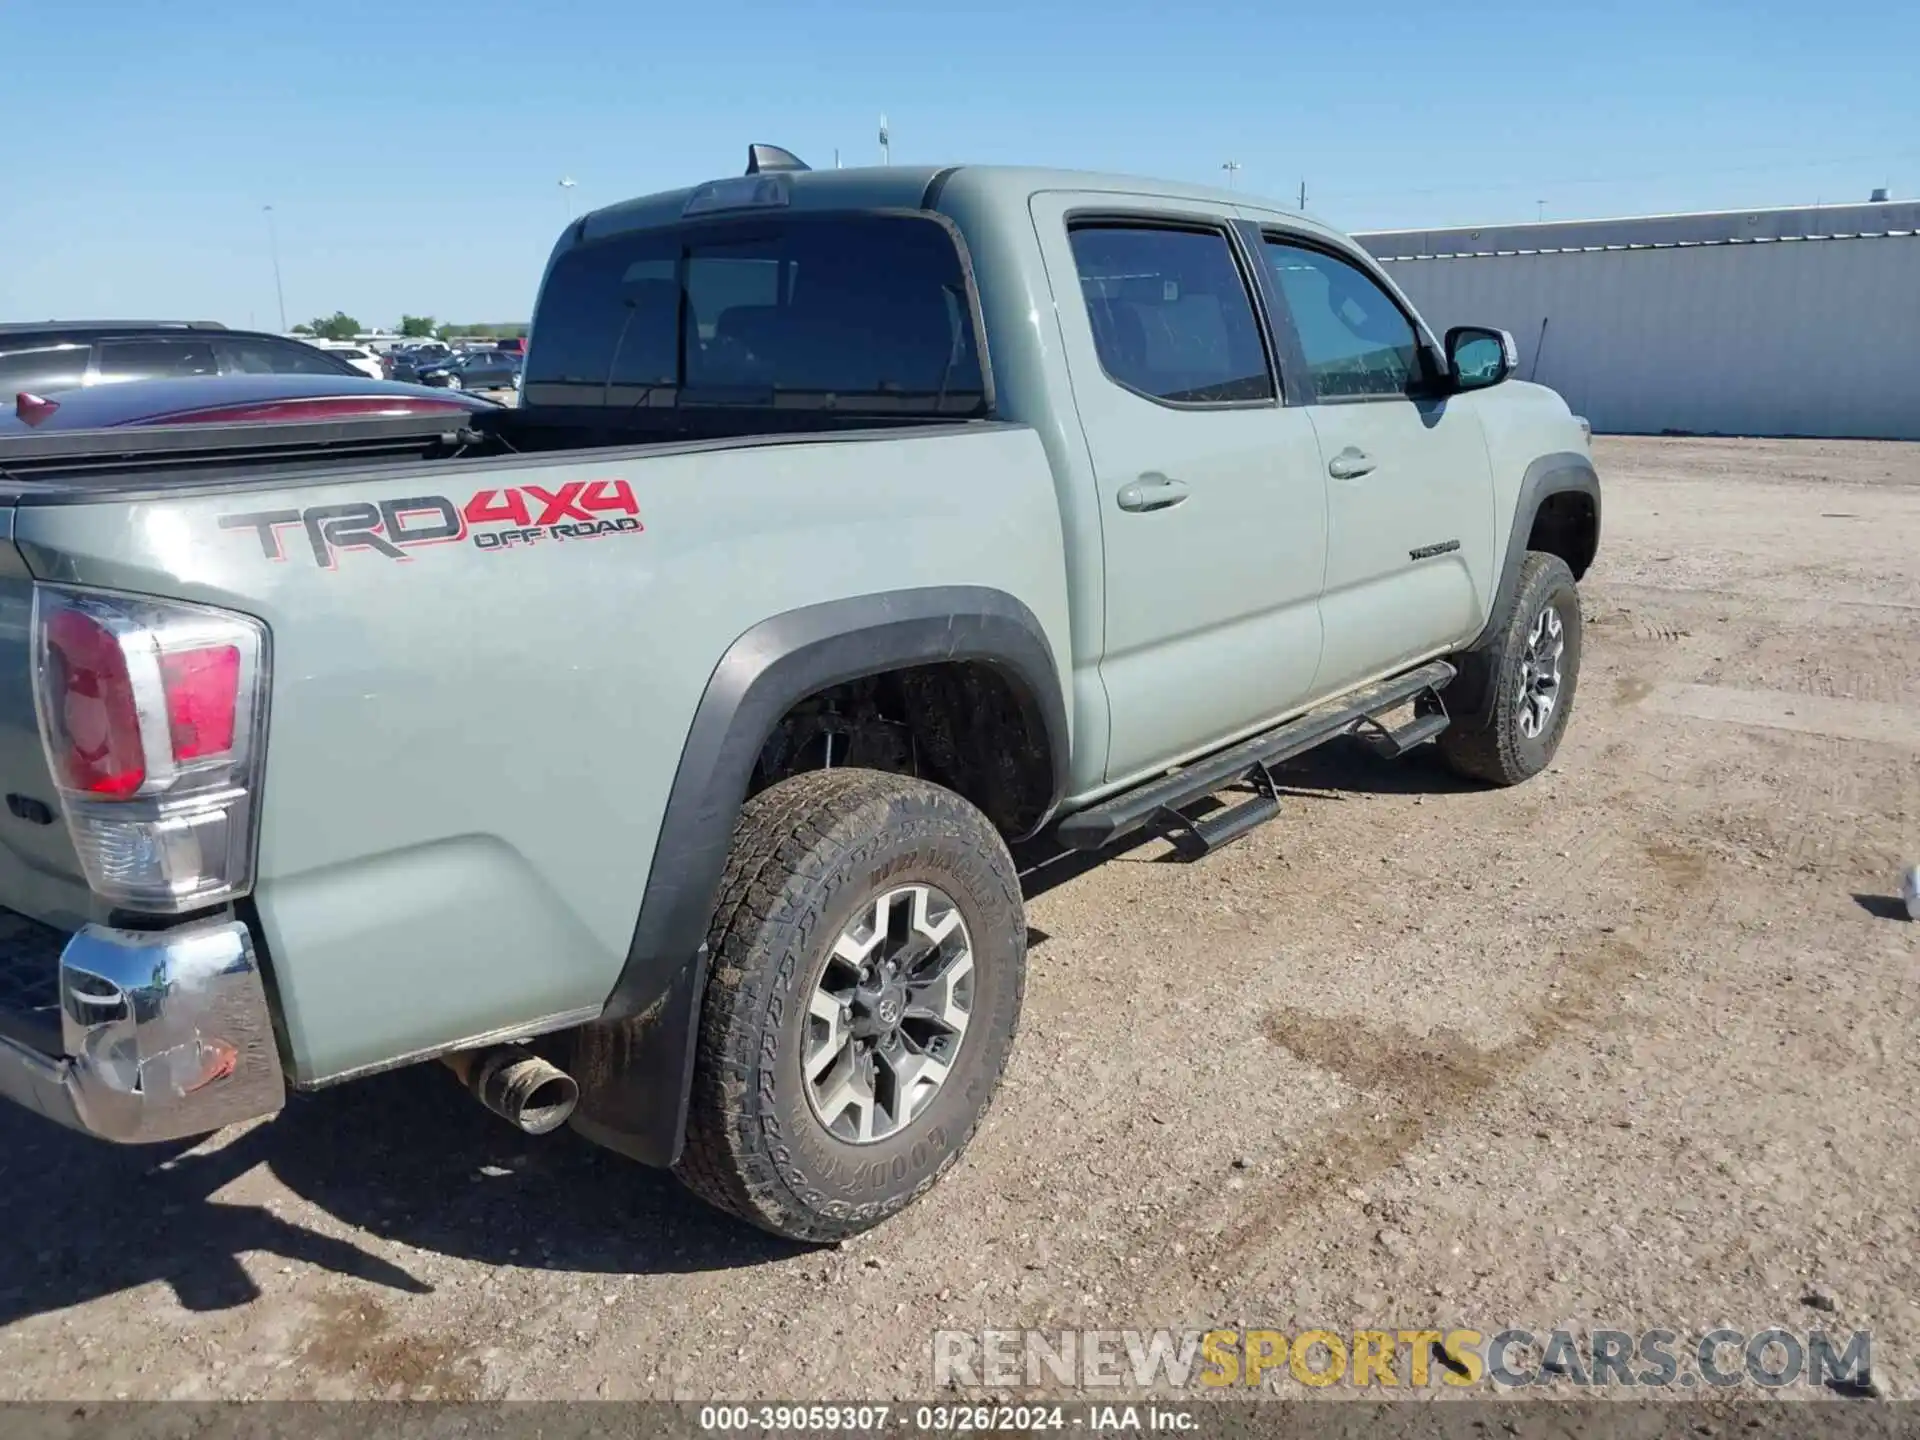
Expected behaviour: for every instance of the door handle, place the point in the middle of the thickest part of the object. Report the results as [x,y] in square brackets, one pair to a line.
[1151,492]
[1350,464]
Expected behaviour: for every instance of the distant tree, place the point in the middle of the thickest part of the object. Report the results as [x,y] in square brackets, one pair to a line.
[501,331]
[417,327]
[303,329]
[337,326]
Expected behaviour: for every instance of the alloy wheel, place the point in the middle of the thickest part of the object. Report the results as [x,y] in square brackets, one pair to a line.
[1539,688]
[888,1014]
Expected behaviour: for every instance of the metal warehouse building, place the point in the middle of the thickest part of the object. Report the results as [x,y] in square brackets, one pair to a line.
[1744,322]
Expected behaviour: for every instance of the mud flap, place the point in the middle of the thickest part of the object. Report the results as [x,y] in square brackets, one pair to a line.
[635,1074]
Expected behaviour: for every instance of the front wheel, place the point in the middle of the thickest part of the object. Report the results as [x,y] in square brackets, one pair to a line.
[868,960]
[1525,679]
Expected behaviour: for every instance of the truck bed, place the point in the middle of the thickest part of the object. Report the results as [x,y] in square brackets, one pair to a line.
[485,655]
[135,462]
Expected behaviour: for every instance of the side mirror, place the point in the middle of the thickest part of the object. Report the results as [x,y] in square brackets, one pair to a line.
[1478,357]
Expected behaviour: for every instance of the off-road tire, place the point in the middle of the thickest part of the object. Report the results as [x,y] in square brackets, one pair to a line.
[1485,741]
[807,854]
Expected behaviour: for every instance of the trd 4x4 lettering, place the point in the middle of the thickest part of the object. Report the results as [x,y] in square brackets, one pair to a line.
[577,510]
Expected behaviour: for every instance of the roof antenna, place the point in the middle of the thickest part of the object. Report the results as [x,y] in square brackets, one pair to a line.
[762,159]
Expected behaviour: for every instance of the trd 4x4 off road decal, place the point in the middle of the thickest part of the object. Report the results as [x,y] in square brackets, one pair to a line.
[527,514]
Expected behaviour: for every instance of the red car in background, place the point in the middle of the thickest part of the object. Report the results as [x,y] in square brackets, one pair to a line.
[230,400]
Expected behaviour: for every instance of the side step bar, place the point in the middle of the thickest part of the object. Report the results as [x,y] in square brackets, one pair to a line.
[1130,810]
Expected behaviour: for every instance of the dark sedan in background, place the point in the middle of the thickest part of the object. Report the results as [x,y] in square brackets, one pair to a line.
[227,400]
[405,362]
[479,370]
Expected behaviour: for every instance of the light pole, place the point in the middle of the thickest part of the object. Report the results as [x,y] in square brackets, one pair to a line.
[567,182]
[1232,167]
[273,249]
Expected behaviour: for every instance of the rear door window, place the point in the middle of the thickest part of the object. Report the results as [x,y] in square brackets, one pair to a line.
[44,367]
[256,355]
[155,359]
[1171,315]
[855,313]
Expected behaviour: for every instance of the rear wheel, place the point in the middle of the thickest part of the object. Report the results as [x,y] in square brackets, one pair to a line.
[1524,681]
[868,960]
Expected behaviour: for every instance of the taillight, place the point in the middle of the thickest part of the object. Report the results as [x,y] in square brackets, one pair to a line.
[92,709]
[203,699]
[152,715]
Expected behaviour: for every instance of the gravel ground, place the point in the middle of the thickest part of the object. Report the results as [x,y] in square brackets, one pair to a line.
[1628,1046]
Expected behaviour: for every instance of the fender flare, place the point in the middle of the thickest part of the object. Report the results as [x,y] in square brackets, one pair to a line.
[1560,473]
[635,1066]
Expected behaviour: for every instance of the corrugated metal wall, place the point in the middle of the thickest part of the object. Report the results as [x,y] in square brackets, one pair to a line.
[1793,337]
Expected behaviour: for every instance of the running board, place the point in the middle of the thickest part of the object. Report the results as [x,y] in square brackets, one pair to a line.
[1131,810]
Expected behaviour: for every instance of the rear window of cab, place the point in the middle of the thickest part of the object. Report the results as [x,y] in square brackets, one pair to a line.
[843,312]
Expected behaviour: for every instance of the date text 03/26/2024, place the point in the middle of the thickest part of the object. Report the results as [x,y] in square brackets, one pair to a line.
[945,1419]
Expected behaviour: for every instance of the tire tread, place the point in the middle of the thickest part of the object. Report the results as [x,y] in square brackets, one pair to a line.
[1484,746]
[789,839]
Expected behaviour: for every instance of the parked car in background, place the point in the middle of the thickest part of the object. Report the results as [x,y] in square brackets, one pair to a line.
[228,400]
[359,357]
[57,355]
[481,370]
[407,361]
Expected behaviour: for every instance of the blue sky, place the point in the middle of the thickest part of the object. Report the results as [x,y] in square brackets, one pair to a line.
[412,152]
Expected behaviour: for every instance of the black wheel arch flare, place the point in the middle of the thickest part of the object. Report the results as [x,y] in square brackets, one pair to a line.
[640,1108]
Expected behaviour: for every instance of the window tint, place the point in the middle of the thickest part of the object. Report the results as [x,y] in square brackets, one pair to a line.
[46,367]
[1357,341]
[252,355]
[1171,316]
[155,359]
[852,313]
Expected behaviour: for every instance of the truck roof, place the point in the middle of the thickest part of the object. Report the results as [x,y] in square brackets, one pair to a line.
[909,187]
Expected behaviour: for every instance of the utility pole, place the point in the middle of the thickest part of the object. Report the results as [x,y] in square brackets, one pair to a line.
[1303,197]
[273,249]
[886,143]
[1539,210]
[567,183]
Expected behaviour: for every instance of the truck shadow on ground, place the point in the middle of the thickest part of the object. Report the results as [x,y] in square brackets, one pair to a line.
[404,1158]
[388,1168]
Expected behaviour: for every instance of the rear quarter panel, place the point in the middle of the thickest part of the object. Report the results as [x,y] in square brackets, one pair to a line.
[469,751]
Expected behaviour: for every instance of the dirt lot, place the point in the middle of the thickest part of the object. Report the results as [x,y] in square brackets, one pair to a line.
[1629,1046]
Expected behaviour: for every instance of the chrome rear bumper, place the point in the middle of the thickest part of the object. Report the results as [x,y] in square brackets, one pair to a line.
[166,1034]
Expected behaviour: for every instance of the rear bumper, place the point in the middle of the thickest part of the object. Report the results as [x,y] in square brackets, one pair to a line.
[165,1034]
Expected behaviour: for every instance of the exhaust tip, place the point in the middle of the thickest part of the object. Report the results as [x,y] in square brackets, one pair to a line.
[526,1091]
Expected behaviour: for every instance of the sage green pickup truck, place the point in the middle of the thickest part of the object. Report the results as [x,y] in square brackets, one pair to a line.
[650,752]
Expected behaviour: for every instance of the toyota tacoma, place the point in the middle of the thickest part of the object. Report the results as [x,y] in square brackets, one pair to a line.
[650,752]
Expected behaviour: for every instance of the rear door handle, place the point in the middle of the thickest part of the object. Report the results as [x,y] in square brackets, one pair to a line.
[1350,464]
[1151,492]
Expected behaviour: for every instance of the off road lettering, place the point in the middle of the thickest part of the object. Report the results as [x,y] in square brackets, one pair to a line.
[513,517]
